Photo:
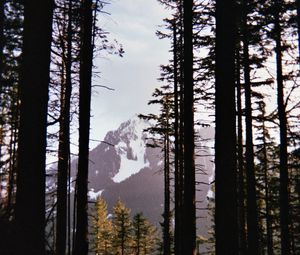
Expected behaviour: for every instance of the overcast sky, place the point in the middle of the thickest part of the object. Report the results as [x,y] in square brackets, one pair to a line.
[133,24]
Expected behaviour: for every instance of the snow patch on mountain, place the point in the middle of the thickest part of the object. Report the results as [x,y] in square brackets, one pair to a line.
[132,149]
[94,195]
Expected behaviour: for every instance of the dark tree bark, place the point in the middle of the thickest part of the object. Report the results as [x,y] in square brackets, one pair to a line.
[226,228]
[284,178]
[268,215]
[34,81]
[189,214]
[86,63]
[252,215]
[64,144]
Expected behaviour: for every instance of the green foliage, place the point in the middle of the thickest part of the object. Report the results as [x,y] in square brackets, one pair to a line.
[144,235]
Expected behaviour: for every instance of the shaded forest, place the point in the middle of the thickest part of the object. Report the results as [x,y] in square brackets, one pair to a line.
[234,67]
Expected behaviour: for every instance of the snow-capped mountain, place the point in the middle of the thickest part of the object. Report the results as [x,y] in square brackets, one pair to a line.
[122,153]
[122,166]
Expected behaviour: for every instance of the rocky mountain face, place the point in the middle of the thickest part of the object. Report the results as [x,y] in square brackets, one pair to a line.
[122,166]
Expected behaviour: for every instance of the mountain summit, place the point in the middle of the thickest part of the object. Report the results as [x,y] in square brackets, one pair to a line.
[122,166]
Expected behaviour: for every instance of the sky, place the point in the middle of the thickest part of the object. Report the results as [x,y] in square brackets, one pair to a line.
[133,77]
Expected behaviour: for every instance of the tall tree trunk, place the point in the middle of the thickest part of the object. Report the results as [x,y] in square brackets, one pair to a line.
[252,215]
[267,192]
[64,144]
[226,227]
[181,131]
[167,211]
[189,214]
[34,81]
[86,63]
[241,169]
[177,178]
[284,179]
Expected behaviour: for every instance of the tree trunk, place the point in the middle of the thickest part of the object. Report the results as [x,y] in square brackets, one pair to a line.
[267,192]
[64,144]
[167,212]
[252,215]
[284,179]
[226,228]
[86,63]
[189,214]
[34,81]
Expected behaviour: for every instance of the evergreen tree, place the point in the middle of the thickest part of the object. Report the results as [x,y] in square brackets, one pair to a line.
[122,227]
[102,229]
[143,236]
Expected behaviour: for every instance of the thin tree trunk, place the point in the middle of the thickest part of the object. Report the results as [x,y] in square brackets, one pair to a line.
[267,193]
[64,144]
[181,131]
[189,214]
[86,63]
[226,223]
[284,179]
[34,81]
[252,215]
[167,212]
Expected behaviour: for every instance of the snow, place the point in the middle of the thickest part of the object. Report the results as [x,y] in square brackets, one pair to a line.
[134,132]
[94,195]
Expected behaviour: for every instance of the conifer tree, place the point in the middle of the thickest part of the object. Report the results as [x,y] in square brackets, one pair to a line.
[122,227]
[102,229]
[143,235]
